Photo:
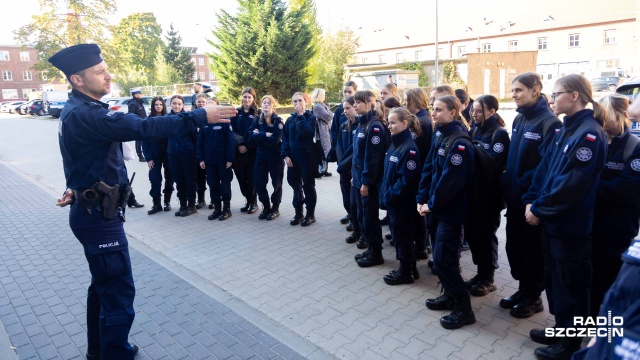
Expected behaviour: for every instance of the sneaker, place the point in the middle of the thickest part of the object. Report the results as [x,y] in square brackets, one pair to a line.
[482,287]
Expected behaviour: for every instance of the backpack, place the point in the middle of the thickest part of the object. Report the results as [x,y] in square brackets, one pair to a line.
[631,144]
[485,181]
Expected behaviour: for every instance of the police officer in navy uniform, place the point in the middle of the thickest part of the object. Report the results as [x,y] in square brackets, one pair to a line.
[136,106]
[90,136]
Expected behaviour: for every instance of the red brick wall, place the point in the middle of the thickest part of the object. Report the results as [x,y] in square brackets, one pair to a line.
[16,66]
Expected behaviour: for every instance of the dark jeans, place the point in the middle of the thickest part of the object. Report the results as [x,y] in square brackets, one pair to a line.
[262,170]
[155,177]
[301,179]
[219,179]
[183,169]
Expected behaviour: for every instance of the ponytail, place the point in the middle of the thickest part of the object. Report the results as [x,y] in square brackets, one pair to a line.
[599,112]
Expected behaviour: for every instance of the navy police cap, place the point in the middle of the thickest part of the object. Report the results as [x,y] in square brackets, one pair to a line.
[76,58]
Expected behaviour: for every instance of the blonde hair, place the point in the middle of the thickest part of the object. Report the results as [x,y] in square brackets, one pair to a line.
[580,84]
[317,94]
[453,103]
[616,107]
[272,100]
[404,114]
[417,99]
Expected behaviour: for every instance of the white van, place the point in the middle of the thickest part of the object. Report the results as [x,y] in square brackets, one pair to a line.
[53,101]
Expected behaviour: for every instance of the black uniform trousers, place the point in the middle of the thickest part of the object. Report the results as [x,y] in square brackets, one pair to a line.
[420,231]
[567,276]
[262,170]
[446,249]
[139,149]
[183,170]
[155,177]
[606,261]
[110,295]
[480,232]
[300,178]
[345,189]
[402,231]
[368,213]
[524,250]
[243,167]
[201,181]
[353,209]
[219,179]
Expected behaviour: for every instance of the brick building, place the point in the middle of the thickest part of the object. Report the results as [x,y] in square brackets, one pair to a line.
[18,77]
[203,71]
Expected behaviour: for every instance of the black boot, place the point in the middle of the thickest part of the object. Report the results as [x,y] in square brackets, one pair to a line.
[353,237]
[371,259]
[191,208]
[484,283]
[349,226]
[216,213]
[561,350]
[275,212]
[345,220]
[414,270]
[246,206]
[513,300]
[362,243]
[183,206]
[135,204]
[461,315]
[528,307]
[266,209]
[442,302]
[156,208]
[297,218]
[308,220]
[226,211]
[201,203]
[253,207]
[540,336]
[404,275]
[167,202]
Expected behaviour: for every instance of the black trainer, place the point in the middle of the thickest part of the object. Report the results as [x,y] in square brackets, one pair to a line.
[539,336]
[215,214]
[442,302]
[200,204]
[388,236]
[226,213]
[513,300]
[483,287]
[353,237]
[265,212]
[167,206]
[308,220]
[253,208]
[527,308]
[273,215]
[474,280]
[297,218]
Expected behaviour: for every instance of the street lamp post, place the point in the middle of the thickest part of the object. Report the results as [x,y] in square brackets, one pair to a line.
[436,77]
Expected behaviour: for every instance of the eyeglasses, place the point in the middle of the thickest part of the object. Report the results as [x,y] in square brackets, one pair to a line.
[473,112]
[556,94]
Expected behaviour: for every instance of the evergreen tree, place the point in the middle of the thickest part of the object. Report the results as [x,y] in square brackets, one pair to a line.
[266,46]
[163,74]
[178,57]
[135,40]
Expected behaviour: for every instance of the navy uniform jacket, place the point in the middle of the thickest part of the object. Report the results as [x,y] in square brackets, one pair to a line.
[297,135]
[215,144]
[494,139]
[241,124]
[617,209]
[525,150]
[424,141]
[136,107]
[155,150]
[268,147]
[90,138]
[182,144]
[445,182]
[402,170]
[369,145]
[344,149]
[563,191]
[335,126]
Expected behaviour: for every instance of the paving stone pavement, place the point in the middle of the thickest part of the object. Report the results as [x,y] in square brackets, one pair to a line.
[303,279]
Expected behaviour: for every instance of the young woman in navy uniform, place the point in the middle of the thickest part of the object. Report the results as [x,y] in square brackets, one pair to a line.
[155,153]
[90,138]
[182,160]
[533,127]
[246,153]
[484,219]
[617,210]
[344,152]
[443,196]
[215,152]
[297,138]
[266,136]
[561,199]
[402,171]
[200,100]
[369,146]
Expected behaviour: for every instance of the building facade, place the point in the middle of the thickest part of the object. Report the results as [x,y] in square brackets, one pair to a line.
[203,71]
[18,77]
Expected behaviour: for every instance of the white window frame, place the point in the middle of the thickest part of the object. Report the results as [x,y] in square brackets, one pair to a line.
[398,59]
[24,56]
[462,50]
[202,75]
[7,75]
[543,43]
[610,37]
[4,55]
[201,61]
[486,47]
[27,75]
[417,55]
[8,93]
[212,76]
[513,45]
[574,40]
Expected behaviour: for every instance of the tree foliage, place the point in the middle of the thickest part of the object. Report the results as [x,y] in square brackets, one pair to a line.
[335,50]
[163,73]
[450,75]
[178,57]
[266,45]
[423,78]
[52,30]
[135,40]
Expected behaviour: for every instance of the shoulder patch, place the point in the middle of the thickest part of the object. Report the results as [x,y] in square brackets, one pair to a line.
[375,129]
[375,140]
[591,138]
[584,154]
[413,135]
[280,126]
[438,133]
[411,165]
[635,165]
[412,152]
[461,147]
[456,159]
[498,148]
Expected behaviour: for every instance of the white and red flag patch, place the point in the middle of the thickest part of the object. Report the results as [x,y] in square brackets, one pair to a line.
[591,138]
[412,152]
[376,130]
[461,147]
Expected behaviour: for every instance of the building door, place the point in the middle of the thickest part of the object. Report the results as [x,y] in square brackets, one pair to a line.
[487,81]
[503,78]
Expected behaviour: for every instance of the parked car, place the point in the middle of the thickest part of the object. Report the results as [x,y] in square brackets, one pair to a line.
[24,108]
[10,106]
[609,83]
[631,89]
[37,108]
[121,104]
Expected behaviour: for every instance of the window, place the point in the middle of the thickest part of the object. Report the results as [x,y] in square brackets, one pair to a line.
[609,37]
[7,76]
[26,92]
[542,43]
[43,76]
[574,40]
[211,76]
[201,61]
[9,93]
[380,59]
[364,60]
[27,75]
[4,55]
[202,75]
[195,75]
[486,47]
[462,50]
[418,53]
[513,45]
[399,58]
[193,60]
[24,56]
